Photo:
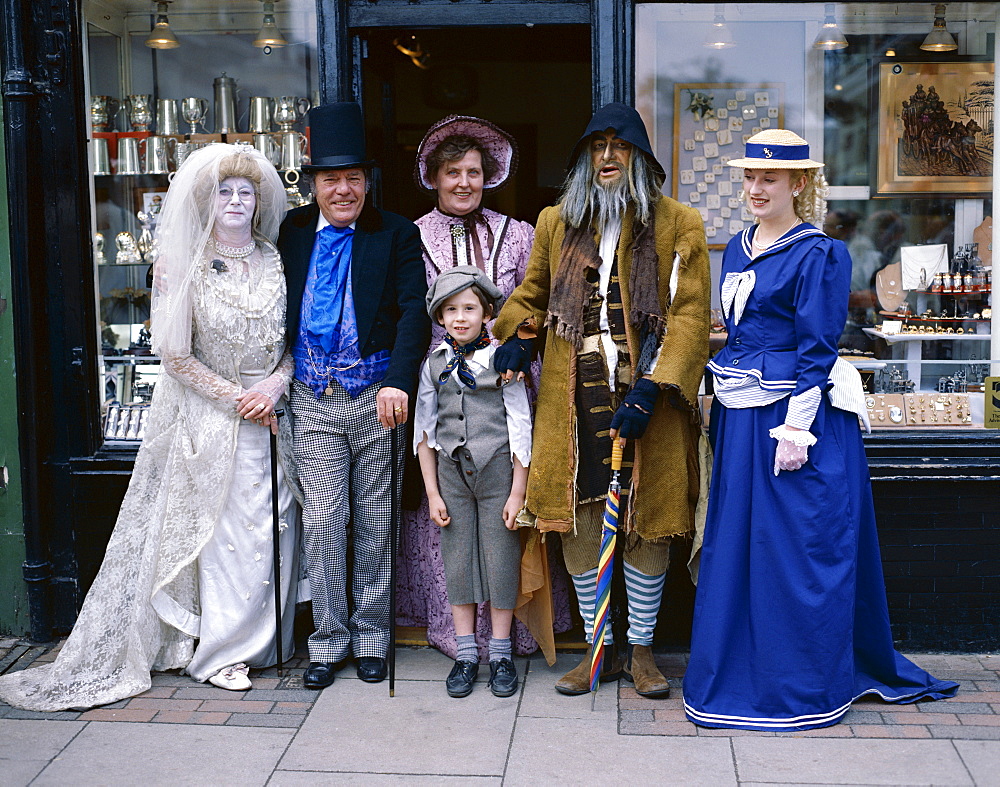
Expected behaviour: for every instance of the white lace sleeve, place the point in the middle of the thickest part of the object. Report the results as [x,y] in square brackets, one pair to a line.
[193,374]
[276,385]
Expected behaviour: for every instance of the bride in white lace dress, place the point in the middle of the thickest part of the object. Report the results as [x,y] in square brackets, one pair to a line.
[186,579]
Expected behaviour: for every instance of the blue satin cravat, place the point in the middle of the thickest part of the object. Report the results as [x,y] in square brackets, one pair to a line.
[332,263]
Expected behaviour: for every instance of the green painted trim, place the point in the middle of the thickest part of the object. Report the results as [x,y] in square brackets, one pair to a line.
[13,593]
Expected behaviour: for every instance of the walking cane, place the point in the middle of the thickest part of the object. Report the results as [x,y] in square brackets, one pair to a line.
[275,546]
[394,513]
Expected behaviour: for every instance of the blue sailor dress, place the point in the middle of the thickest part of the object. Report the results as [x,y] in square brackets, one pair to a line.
[790,622]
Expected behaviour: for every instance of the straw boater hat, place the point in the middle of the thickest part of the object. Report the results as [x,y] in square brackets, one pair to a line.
[776,148]
[498,142]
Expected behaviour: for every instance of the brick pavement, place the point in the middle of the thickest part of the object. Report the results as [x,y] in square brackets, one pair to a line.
[974,714]
[282,702]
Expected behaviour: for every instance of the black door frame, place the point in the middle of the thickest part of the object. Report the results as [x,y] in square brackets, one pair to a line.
[612,26]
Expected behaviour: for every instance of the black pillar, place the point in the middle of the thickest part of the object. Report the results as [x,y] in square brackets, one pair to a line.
[612,35]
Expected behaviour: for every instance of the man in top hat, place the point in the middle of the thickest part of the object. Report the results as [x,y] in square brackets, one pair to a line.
[619,276]
[359,330]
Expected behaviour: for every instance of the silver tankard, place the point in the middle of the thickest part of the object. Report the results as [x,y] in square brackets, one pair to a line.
[128,156]
[140,111]
[193,110]
[166,116]
[157,157]
[288,110]
[103,110]
[261,110]
[268,147]
[185,149]
[293,148]
[102,156]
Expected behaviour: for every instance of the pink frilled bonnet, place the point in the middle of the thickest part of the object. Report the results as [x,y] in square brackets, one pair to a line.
[498,142]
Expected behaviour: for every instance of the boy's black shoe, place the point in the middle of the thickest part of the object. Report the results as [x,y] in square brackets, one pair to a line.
[462,678]
[503,678]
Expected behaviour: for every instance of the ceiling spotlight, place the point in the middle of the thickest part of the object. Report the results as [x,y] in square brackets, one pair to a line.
[719,35]
[269,35]
[830,38]
[939,39]
[161,36]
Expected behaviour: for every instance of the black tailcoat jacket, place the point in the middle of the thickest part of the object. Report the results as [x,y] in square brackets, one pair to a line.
[388,281]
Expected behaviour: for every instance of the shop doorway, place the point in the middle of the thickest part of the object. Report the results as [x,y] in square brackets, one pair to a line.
[534,82]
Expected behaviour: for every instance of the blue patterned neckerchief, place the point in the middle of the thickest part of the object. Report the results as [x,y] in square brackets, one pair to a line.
[458,359]
[332,256]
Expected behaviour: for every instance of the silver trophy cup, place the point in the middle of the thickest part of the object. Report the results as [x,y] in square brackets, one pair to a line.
[193,110]
[288,110]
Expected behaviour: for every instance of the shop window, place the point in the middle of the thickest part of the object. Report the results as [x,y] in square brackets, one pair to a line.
[912,191]
[234,76]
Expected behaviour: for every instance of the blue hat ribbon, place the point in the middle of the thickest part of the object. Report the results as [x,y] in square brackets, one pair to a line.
[777,152]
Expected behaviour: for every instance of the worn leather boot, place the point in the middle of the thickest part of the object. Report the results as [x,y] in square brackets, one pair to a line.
[577,680]
[643,672]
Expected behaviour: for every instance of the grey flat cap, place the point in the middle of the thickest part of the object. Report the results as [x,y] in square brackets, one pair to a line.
[459,278]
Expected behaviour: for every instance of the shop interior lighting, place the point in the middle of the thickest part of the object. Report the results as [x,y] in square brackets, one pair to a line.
[719,35]
[161,36]
[939,39]
[410,46]
[269,35]
[830,38]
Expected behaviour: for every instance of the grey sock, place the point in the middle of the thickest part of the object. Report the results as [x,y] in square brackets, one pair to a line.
[499,648]
[467,648]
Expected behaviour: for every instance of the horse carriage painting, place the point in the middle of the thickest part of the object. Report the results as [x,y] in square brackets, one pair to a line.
[935,127]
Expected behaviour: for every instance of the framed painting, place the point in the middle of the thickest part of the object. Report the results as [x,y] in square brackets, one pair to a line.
[712,122]
[934,127]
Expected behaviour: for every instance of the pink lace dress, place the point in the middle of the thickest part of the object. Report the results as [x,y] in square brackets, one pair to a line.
[422,598]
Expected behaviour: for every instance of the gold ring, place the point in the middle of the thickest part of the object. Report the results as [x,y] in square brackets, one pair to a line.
[397,409]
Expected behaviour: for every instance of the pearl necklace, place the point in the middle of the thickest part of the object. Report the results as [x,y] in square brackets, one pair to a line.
[234,252]
[766,246]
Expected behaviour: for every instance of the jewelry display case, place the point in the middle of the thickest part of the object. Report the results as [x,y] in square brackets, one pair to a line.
[163,79]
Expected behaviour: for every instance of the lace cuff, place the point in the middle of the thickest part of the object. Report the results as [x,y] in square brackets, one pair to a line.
[193,374]
[798,438]
[276,385]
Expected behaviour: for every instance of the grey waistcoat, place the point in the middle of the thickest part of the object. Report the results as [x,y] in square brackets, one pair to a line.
[467,418]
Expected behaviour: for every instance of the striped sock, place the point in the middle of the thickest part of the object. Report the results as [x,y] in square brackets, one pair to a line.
[586,595]
[467,648]
[644,594]
[499,648]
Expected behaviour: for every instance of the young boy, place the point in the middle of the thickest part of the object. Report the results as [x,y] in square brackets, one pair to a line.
[473,438]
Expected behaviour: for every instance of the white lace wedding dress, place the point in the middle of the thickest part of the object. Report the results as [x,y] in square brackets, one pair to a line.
[186,579]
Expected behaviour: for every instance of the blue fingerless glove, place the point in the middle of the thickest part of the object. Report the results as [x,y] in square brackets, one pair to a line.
[514,355]
[632,416]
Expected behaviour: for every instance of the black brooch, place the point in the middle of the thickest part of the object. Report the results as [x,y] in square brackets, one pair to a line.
[219,266]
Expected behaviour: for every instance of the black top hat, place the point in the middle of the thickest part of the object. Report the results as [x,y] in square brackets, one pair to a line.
[336,137]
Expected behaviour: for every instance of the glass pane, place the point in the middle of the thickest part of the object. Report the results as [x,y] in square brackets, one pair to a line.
[911,206]
[152,106]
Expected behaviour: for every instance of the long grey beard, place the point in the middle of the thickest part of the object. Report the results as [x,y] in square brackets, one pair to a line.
[609,201]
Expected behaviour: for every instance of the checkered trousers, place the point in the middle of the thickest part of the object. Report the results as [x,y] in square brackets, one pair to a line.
[343,455]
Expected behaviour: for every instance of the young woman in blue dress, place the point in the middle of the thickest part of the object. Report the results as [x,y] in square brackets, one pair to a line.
[791,623]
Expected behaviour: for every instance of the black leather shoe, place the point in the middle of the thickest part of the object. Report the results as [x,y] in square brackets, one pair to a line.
[503,678]
[319,674]
[461,678]
[372,669]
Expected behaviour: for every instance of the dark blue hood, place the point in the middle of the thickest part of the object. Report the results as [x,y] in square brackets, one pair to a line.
[627,125]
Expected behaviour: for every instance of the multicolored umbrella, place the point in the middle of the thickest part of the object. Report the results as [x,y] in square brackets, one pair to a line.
[606,565]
